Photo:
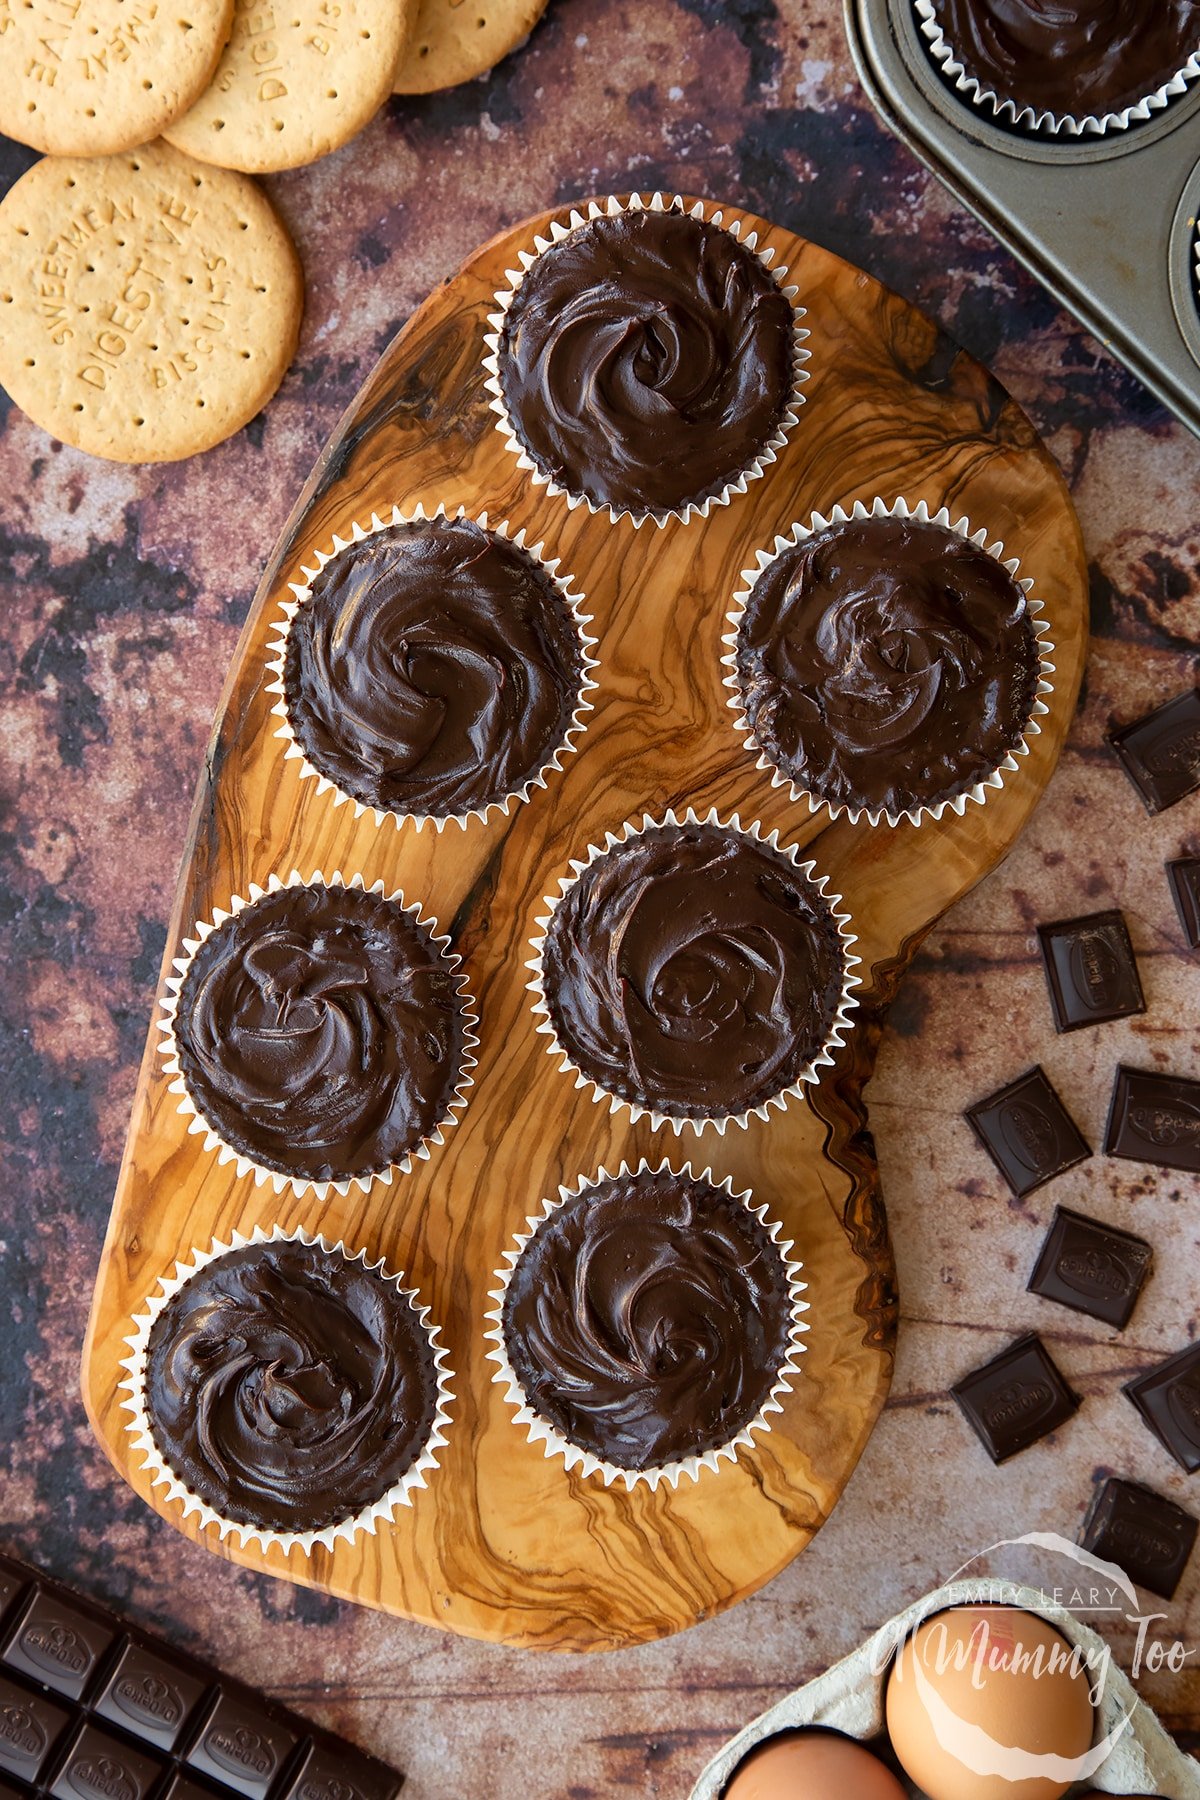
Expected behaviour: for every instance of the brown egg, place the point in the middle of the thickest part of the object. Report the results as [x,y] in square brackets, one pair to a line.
[989,1685]
[812,1765]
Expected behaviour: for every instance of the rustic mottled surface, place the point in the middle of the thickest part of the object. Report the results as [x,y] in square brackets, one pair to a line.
[123,594]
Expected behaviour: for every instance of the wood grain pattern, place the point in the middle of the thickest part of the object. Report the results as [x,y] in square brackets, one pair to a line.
[505,1544]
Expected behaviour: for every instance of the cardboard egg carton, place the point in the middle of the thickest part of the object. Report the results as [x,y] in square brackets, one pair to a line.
[849,1698]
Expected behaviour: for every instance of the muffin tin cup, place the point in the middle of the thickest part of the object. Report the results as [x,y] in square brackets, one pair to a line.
[879,509]
[811,1073]
[140,1428]
[612,208]
[689,1468]
[302,592]
[1028,118]
[197,1122]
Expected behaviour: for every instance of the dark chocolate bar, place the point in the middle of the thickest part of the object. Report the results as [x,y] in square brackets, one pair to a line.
[1142,1532]
[1028,1132]
[1090,970]
[1184,877]
[1154,1118]
[1093,1268]
[91,1709]
[1015,1399]
[1161,752]
[1168,1398]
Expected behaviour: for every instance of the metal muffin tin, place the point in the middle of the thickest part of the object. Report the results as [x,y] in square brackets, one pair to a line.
[1107,223]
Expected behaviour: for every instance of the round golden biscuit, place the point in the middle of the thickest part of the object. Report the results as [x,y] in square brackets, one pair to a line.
[298,79]
[89,77]
[455,40]
[149,306]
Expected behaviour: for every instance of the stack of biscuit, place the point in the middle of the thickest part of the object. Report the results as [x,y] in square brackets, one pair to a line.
[150,297]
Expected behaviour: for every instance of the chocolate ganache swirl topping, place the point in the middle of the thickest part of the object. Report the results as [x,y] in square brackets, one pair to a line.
[288,1386]
[692,971]
[646,360]
[434,669]
[647,1319]
[320,1032]
[886,663]
[1073,58]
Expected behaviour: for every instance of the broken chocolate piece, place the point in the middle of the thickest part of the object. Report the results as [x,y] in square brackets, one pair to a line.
[1015,1399]
[1161,752]
[1028,1132]
[1093,1268]
[1154,1118]
[1168,1398]
[1090,970]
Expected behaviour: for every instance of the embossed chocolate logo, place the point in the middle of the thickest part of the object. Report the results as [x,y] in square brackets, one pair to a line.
[328,1790]
[1177,753]
[1148,1547]
[240,1750]
[56,1647]
[1029,1134]
[1183,1403]
[1020,1400]
[102,1776]
[21,1732]
[147,1697]
[1096,968]
[1166,1126]
[1096,1272]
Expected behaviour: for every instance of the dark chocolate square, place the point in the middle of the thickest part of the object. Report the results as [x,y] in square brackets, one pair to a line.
[1142,1532]
[335,1772]
[1028,1132]
[189,1787]
[151,1694]
[1015,1399]
[1154,1118]
[99,1766]
[1168,1398]
[30,1727]
[1090,1267]
[13,1580]
[57,1642]
[1160,753]
[1090,970]
[1184,877]
[241,1745]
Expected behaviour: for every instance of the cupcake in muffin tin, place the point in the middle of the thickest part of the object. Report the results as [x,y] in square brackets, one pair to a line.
[1068,71]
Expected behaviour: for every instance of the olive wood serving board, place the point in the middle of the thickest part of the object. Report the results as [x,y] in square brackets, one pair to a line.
[504,1543]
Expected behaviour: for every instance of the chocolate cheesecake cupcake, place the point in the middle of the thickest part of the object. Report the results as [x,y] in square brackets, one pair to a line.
[647,1324]
[1086,66]
[320,1034]
[695,971]
[432,668]
[647,360]
[287,1390]
[887,662]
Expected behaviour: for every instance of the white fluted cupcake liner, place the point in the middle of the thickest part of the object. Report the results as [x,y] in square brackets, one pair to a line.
[810,1074]
[540,1430]
[880,509]
[140,1427]
[611,208]
[199,1125]
[1044,122]
[302,592]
